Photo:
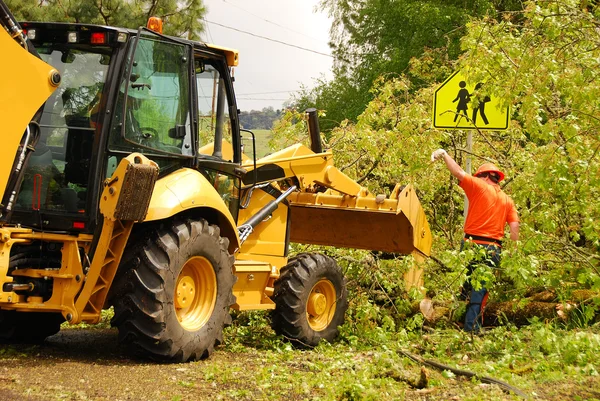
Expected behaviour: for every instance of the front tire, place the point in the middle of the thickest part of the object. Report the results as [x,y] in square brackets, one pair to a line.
[310,300]
[174,298]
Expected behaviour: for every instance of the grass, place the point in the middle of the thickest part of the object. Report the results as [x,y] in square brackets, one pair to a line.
[262,142]
[542,360]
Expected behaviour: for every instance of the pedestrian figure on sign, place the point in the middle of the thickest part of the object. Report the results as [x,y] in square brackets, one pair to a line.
[463,98]
[480,107]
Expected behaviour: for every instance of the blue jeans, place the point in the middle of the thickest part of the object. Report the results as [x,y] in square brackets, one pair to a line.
[474,316]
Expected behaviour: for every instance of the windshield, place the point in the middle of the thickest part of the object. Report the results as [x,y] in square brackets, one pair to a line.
[153,108]
[56,176]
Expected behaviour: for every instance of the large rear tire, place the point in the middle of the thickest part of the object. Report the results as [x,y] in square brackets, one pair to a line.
[173,300]
[310,300]
[28,327]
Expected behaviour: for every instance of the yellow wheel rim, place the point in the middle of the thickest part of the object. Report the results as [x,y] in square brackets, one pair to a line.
[320,306]
[195,293]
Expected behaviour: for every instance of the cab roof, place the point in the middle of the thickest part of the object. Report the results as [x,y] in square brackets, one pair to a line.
[231,55]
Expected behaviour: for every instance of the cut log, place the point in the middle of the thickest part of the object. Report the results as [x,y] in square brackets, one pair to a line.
[543,305]
[544,296]
[518,313]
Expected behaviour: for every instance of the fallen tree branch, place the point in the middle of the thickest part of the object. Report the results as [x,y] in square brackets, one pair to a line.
[544,305]
[484,379]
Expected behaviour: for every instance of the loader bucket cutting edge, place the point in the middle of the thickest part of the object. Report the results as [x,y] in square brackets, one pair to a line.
[352,228]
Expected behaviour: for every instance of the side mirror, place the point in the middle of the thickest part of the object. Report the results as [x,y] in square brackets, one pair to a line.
[248,141]
[67,57]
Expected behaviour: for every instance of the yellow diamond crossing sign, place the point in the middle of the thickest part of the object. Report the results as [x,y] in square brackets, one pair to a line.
[453,107]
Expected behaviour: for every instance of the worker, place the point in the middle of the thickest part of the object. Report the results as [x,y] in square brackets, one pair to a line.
[490,209]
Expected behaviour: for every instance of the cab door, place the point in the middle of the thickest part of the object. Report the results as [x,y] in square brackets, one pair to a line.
[153,106]
[219,153]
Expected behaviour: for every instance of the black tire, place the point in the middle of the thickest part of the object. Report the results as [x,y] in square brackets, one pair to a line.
[28,327]
[159,309]
[311,300]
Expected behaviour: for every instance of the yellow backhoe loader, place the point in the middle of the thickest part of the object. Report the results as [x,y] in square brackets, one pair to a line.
[124,185]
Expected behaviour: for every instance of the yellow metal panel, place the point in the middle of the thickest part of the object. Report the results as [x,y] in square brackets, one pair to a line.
[409,205]
[226,150]
[107,256]
[231,55]
[71,279]
[253,266]
[276,262]
[186,189]
[268,237]
[252,280]
[310,168]
[390,225]
[25,86]
[68,280]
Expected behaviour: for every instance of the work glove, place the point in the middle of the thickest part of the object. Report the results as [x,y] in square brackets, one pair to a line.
[438,154]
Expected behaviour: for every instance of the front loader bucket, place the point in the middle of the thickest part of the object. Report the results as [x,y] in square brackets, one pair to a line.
[352,228]
[395,225]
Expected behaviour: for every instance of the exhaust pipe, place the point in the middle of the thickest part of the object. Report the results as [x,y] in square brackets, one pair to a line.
[313,130]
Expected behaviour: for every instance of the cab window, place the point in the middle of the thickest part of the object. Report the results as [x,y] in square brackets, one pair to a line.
[213,116]
[153,108]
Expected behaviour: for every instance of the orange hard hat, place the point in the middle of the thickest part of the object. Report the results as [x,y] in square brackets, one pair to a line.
[489,168]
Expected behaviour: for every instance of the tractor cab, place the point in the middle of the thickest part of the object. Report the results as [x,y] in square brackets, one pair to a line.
[124,91]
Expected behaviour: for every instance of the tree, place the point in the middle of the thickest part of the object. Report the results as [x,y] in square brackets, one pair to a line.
[263,119]
[179,18]
[370,38]
[543,63]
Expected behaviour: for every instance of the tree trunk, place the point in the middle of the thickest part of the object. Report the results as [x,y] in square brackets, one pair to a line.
[543,305]
[518,313]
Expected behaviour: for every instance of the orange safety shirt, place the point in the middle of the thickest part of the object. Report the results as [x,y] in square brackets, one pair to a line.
[489,208]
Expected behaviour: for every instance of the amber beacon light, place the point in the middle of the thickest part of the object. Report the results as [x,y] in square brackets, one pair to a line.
[155,24]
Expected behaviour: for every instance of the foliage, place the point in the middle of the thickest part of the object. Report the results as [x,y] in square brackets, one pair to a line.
[263,119]
[544,361]
[370,38]
[542,62]
[543,65]
[179,18]
[368,366]
[290,129]
[340,97]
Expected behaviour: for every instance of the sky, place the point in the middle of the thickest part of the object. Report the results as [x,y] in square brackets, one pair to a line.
[270,72]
